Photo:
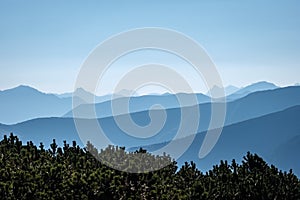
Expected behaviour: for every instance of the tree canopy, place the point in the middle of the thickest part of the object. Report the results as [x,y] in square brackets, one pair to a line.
[71,172]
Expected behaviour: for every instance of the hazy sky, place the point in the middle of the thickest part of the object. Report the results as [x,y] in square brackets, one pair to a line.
[44,43]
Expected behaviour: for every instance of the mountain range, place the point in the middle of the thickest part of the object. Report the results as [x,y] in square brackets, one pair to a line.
[276,137]
[24,103]
[254,105]
[251,106]
[260,86]
[261,118]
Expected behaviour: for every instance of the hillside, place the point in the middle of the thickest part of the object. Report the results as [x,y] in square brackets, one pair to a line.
[139,104]
[255,87]
[24,103]
[270,136]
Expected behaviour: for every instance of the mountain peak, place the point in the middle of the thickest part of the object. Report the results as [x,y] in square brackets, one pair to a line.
[83,93]
[23,88]
[262,85]
[228,90]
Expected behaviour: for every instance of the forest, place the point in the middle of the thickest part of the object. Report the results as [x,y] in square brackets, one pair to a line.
[72,172]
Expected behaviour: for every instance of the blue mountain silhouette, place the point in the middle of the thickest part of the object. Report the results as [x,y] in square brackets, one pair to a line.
[254,123]
[275,137]
[255,87]
[23,103]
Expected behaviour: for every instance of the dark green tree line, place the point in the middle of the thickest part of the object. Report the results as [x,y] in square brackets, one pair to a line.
[71,172]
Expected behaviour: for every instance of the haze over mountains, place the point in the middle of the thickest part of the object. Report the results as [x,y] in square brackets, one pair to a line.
[260,86]
[233,93]
[261,118]
[24,103]
[252,106]
[276,137]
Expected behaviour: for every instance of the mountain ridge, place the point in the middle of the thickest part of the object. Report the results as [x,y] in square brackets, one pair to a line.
[255,87]
[261,135]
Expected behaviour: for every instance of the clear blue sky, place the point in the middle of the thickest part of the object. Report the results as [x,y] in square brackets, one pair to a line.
[43,43]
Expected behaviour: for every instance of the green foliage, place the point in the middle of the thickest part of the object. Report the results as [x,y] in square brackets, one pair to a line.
[71,172]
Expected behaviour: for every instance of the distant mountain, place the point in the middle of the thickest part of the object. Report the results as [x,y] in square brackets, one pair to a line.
[262,102]
[231,89]
[79,91]
[276,137]
[23,103]
[127,93]
[85,96]
[83,93]
[228,90]
[259,86]
[64,95]
[264,122]
[140,103]
[43,130]
[254,105]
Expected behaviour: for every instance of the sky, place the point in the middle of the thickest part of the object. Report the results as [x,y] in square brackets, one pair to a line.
[43,44]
